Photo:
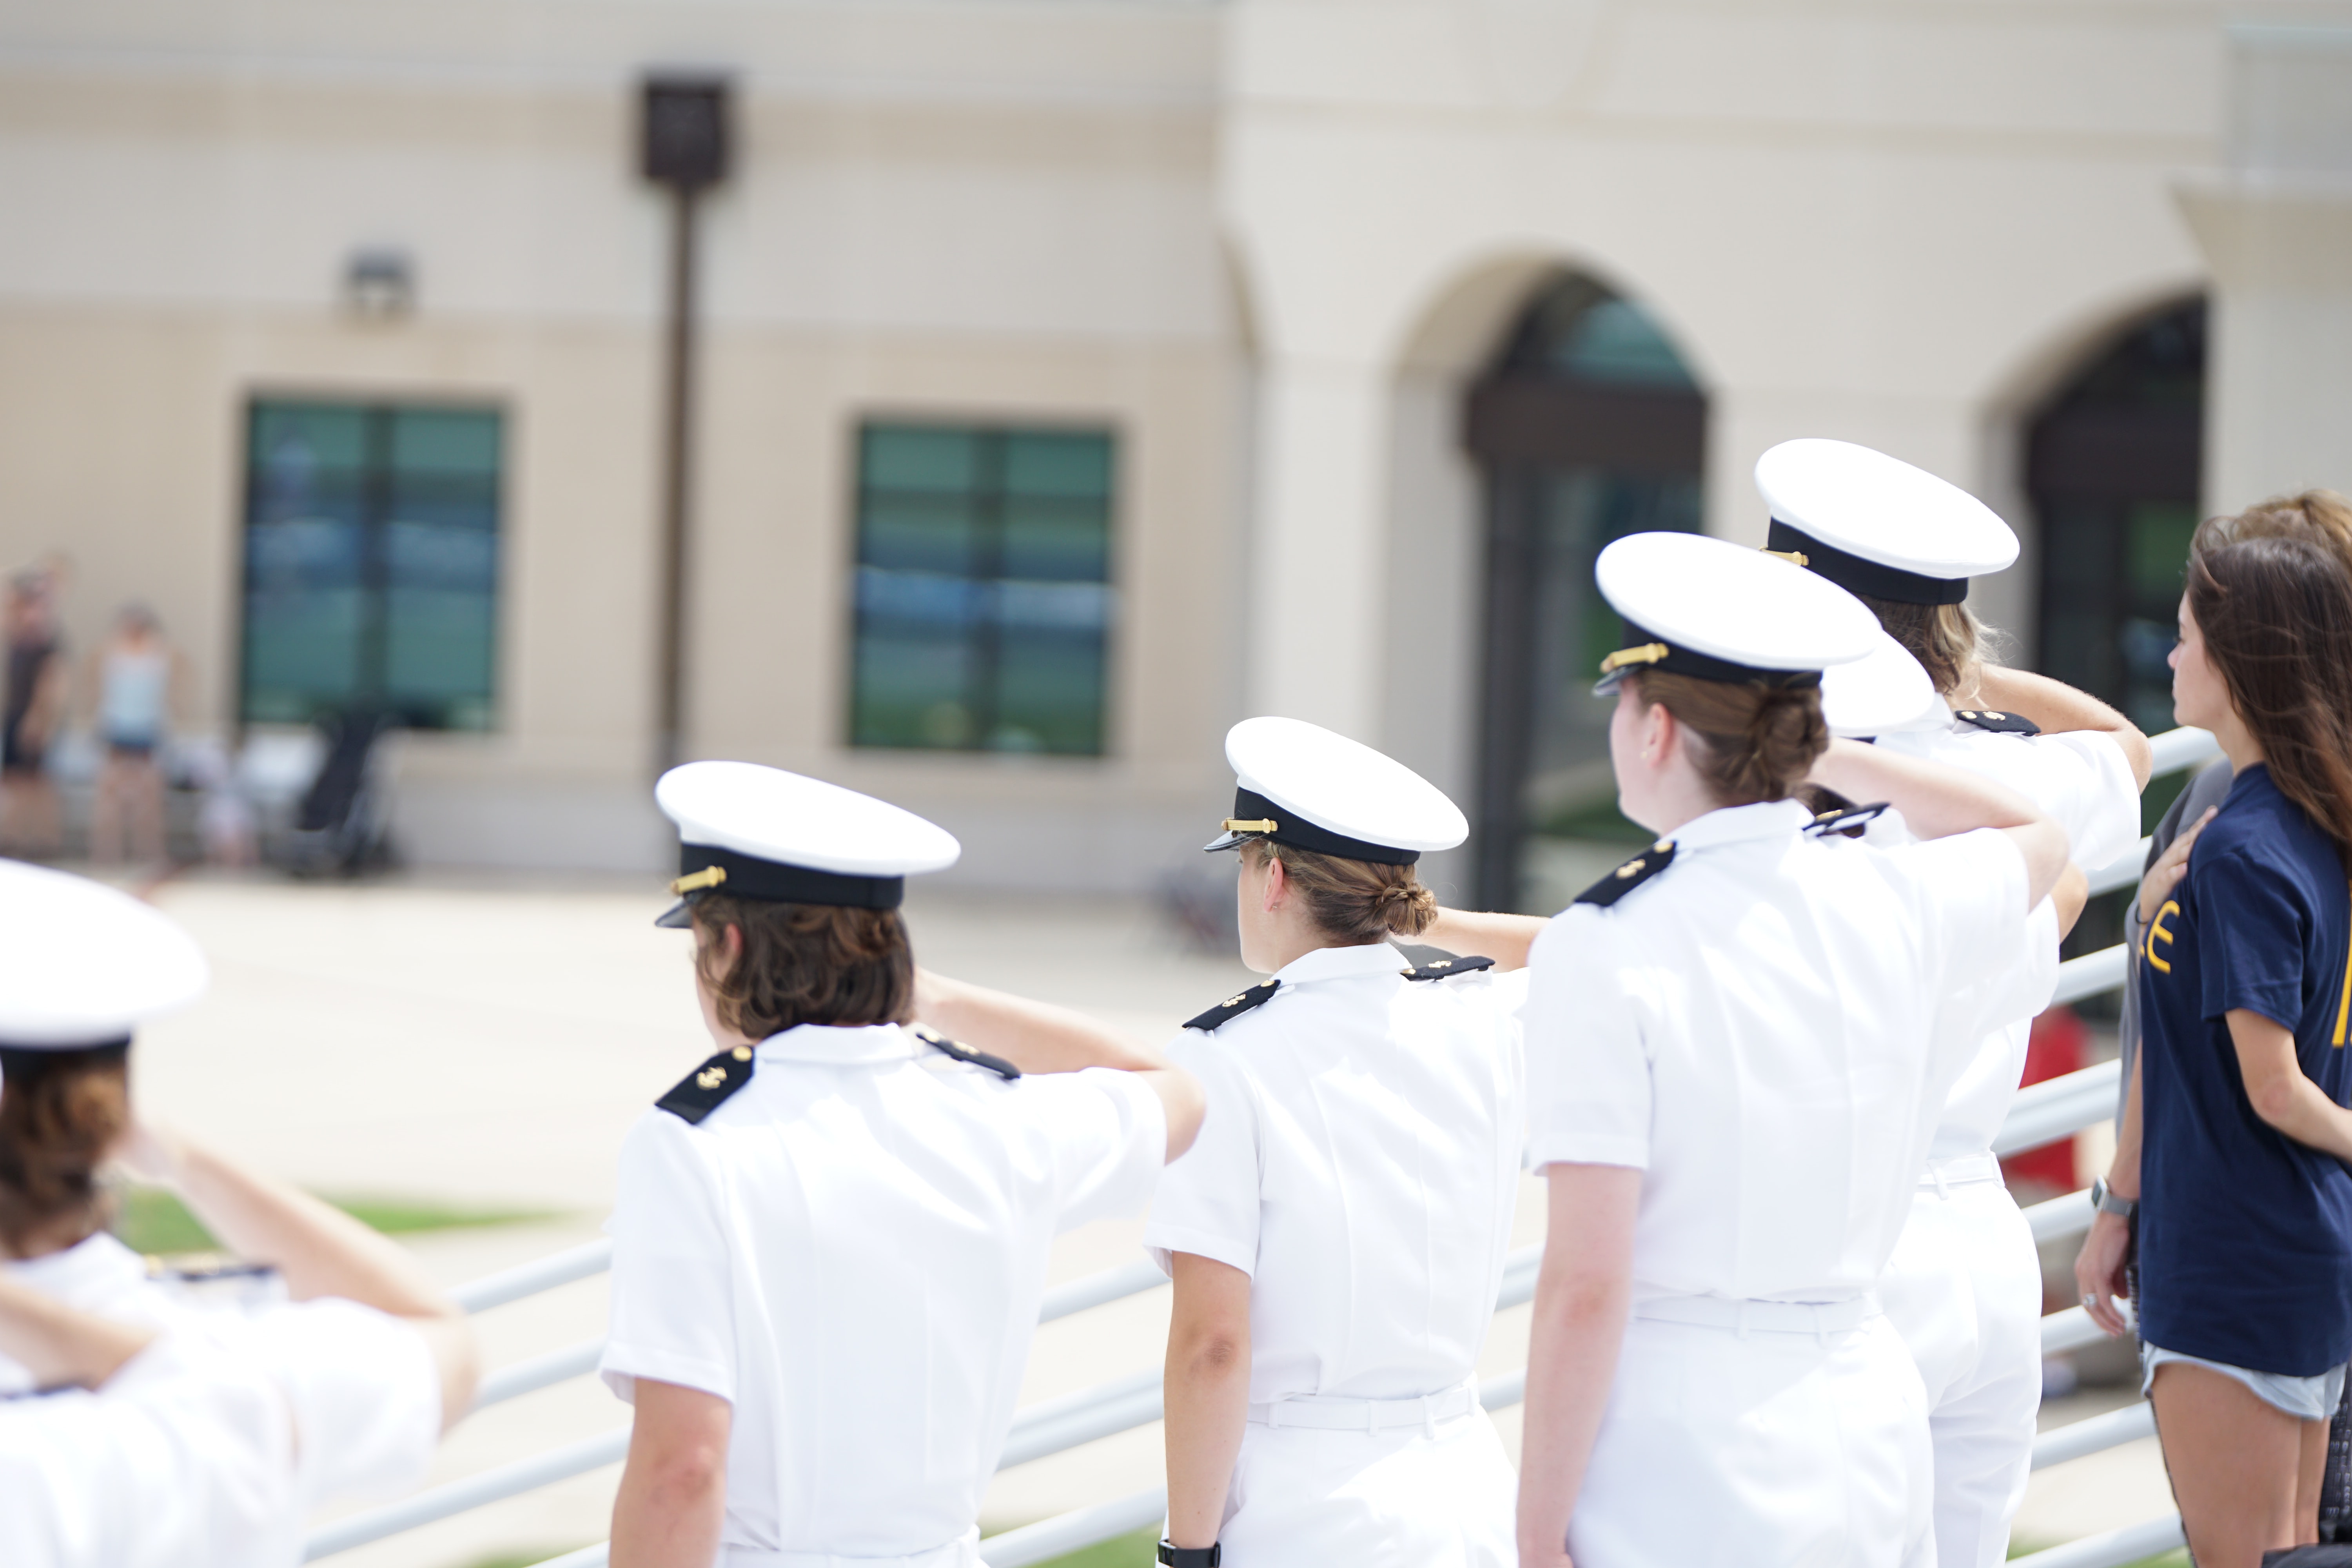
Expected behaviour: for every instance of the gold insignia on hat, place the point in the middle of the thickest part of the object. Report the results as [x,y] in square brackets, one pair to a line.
[708,876]
[1256,825]
[1794,557]
[1648,653]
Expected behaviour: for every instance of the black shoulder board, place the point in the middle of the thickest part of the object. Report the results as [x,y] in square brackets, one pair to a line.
[1233,1007]
[1630,876]
[1850,822]
[964,1053]
[1999,723]
[706,1088]
[1443,968]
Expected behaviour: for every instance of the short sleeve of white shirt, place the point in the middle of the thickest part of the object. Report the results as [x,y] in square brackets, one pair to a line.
[1589,1077]
[1108,1133]
[1208,1201]
[2095,797]
[1973,899]
[672,1279]
[364,1391]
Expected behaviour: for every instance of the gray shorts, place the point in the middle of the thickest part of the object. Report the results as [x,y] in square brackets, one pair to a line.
[2305,1398]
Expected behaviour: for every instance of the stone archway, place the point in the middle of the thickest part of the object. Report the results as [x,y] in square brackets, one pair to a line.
[1587,426]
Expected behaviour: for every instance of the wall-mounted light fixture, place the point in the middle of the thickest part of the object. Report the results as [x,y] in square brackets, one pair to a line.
[379,283]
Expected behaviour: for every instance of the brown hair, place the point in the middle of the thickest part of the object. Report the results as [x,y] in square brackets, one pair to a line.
[1756,742]
[2321,517]
[1947,639]
[803,963]
[1354,901]
[60,1111]
[2277,617]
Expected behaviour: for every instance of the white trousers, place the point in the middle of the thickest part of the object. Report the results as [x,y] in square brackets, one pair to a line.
[1766,1449]
[1964,1290]
[1443,1496]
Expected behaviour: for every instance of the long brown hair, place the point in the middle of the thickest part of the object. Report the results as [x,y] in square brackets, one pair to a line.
[803,963]
[60,1112]
[1756,742]
[2277,617]
[1354,901]
[1946,639]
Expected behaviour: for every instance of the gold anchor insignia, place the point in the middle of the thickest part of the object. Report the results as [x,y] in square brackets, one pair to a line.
[1630,867]
[1443,964]
[711,1078]
[1990,714]
[1236,1000]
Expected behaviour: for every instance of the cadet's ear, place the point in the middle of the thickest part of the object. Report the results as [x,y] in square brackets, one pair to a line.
[1277,883]
[722,952]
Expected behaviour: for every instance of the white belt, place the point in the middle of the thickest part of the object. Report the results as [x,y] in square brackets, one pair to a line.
[1960,1170]
[956,1553]
[1820,1319]
[1367,1415]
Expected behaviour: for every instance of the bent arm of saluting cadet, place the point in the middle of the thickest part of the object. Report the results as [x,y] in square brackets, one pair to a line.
[1937,802]
[59,1346]
[321,1250]
[2057,708]
[1503,938]
[1207,1389]
[1039,1037]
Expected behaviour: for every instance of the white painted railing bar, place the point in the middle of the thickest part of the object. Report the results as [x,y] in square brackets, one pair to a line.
[2095,1433]
[539,1372]
[2069,1216]
[2069,1330]
[475,1491]
[1054,1424]
[2183,748]
[2115,1549]
[2058,1108]
[1095,1289]
[2124,871]
[1080,1528]
[541,1274]
[2089,975]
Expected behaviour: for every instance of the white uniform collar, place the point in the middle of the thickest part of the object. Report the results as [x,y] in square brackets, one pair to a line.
[88,1270]
[1737,823]
[841,1045]
[1333,962]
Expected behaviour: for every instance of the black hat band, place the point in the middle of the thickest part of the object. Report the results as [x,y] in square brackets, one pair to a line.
[1857,575]
[1653,652]
[1295,830]
[748,877]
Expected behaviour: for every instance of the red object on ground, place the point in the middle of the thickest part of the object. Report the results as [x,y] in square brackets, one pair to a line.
[2054,1049]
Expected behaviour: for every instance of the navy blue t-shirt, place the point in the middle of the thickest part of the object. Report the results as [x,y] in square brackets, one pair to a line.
[2245,1236]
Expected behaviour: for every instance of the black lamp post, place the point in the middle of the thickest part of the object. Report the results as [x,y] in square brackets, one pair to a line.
[684,147]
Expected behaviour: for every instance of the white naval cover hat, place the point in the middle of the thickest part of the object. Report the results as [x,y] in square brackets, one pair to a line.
[1708,608]
[1873,525]
[1885,692]
[763,833]
[1299,783]
[82,964]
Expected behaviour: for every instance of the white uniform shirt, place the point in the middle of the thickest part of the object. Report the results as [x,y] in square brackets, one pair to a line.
[1358,1160]
[2082,780]
[1764,1028]
[850,1250]
[357,1414]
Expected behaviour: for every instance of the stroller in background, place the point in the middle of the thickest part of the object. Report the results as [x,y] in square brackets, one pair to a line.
[342,826]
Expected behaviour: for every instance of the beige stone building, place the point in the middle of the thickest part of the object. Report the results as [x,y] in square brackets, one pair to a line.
[1076,376]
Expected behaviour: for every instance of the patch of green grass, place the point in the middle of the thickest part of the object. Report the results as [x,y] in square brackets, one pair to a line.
[153,1220]
[1135,1550]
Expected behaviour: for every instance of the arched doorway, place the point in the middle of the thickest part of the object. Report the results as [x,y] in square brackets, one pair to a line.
[1588,426]
[2113,465]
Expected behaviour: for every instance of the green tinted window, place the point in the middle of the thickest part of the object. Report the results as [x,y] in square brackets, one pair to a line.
[371,562]
[982,589]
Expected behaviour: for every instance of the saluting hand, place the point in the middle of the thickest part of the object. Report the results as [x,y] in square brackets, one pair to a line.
[2171,866]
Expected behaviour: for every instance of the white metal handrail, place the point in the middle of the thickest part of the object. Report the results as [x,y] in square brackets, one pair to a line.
[2041,1114]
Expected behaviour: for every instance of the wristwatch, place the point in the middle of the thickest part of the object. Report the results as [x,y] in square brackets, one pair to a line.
[1191,1556]
[2106,1201]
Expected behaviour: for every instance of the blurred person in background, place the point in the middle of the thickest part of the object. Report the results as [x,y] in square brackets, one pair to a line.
[1964,1284]
[370,1364]
[2232,1158]
[830,1240]
[34,707]
[1337,1237]
[135,682]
